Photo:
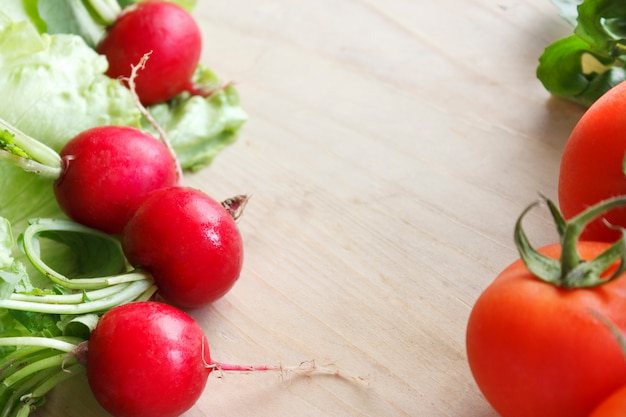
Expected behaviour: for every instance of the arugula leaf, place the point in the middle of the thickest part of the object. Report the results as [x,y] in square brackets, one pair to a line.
[601,23]
[200,127]
[585,65]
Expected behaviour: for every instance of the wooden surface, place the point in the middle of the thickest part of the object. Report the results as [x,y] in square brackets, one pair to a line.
[390,148]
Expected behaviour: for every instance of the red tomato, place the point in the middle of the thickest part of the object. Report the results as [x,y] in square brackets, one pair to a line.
[591,164]
[538,350]
[613,406]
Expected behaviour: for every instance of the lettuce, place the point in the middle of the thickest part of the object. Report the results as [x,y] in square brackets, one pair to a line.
[86,18]
[53,86]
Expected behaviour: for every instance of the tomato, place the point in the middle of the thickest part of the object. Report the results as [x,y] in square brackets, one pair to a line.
[539,350]
[613,406]
[591,164]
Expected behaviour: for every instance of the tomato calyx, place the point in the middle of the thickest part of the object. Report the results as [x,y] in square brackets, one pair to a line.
[570,270]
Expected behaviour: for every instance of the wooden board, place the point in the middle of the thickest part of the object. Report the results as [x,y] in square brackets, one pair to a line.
[390,148]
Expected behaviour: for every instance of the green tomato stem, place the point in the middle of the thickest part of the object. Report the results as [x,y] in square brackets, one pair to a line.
[571,271]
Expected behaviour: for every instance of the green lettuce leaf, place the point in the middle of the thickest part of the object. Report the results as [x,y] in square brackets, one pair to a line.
[86,18]
[198,127]
[53,86]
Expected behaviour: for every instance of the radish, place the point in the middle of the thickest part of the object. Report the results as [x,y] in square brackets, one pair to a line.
[188,242]
[106,173]
[147,359]
[169,34]
[150,359]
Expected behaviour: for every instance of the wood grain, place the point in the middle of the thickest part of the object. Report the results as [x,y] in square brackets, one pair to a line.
[390,148]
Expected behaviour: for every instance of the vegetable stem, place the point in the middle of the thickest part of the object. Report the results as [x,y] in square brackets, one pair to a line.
[126,294]
[66,373]
[570,271]
[31,166]
[42,342]
[40,365]
[160,131]
[26,148]
[107,10]
[30,247]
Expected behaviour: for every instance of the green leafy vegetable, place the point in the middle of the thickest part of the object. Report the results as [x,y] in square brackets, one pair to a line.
[86,18]
[200,127]
[53,87]
[42,331]
[585,65]
[59,276]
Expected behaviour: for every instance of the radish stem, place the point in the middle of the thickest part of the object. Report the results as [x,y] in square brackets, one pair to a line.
[31,249]
[128,293]
[107,10]
[41,342]
[303,367]
[161,132]
[19,143]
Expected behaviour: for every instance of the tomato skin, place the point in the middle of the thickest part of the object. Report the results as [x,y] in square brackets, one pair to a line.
[613,406]
[188,242]
[535,349]
[591,164]
[147,359]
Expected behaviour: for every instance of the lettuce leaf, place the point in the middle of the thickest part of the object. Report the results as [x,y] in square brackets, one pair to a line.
[54,86]
[200,127]
[86,18]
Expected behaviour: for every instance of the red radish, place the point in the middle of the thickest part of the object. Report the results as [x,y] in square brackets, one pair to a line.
[147,359]
[150,359]
[188,242]
[165,30]
[107,172]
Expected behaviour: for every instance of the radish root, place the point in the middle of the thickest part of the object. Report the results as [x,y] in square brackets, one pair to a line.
[308,367]
[144,111]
